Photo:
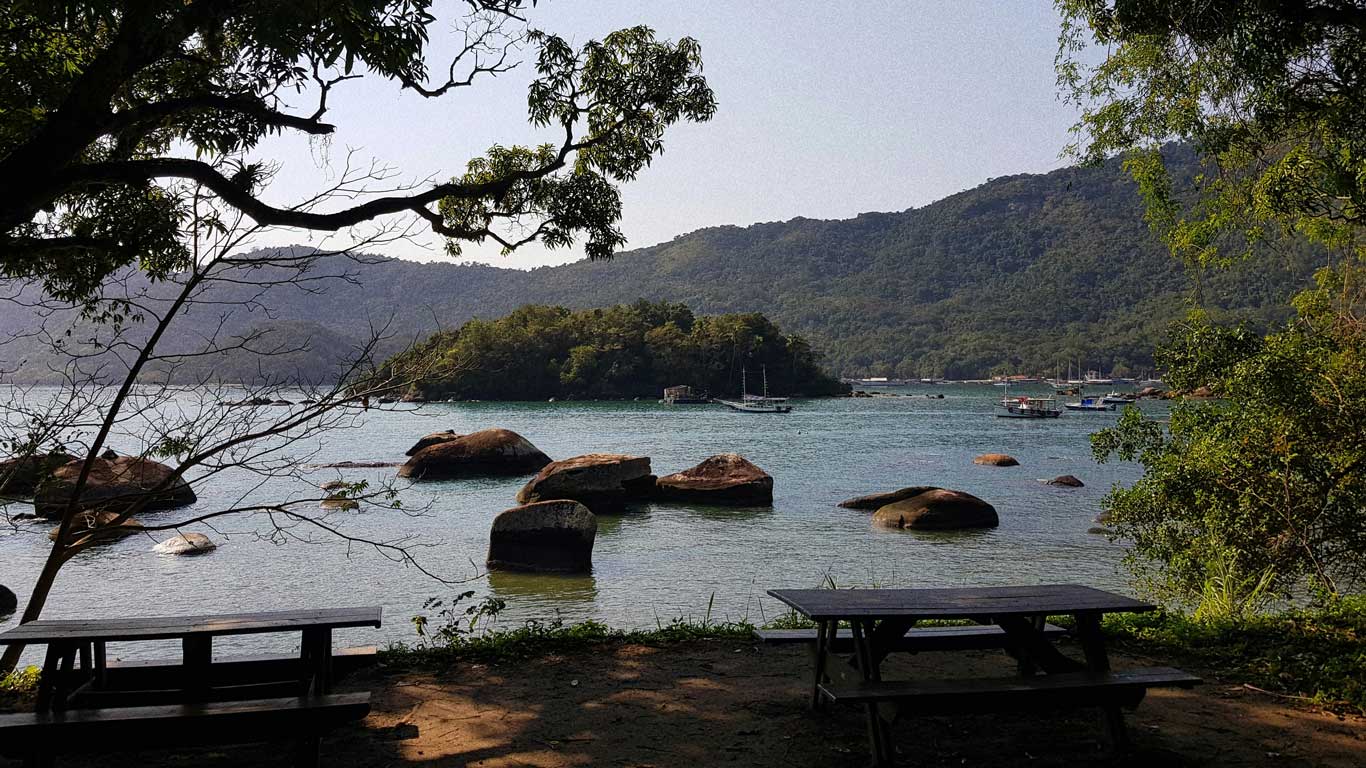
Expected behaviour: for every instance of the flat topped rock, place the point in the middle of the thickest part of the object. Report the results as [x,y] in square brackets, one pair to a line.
[113,485]
[603,481]
[938,509]
[553,536]
[996,460]
[486,452]
[880,500]
[1067,481]
[100,523]
[186,544]
[432,439]
[726,478]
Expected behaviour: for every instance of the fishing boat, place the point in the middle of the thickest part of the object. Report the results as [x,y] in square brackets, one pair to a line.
[1119,398]
[756,403]
[1026,407]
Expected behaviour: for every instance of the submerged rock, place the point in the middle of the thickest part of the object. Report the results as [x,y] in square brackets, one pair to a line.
[996,460]
[114,485]
[9,603]
[553,536]
[880,500]
[727,478]
[602,481]
[335,498]
[938,509]
[186,544]
[101,524]
[430,440]
[486,452]
[1067,481]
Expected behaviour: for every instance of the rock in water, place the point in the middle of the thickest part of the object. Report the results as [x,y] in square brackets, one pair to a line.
[432,439]
[186,544]
[335,498]
[8,602]
[21,475]
[1067,481]
[938,509]
[602,481]
[102,523]
[726,478]
[113,485]
[486,452]
[880,500]
[555,536]
[996,460]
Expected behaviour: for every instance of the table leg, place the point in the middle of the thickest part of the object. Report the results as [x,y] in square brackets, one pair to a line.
[197,657]
[101,664]
[822,654]
[47,683]
[316,650]
[66,677]
[1098,662]
[1031,643]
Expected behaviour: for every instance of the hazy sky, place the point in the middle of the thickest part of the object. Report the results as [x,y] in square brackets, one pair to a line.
[826,110]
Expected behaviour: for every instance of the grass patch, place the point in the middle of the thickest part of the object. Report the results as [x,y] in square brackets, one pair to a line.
[1318,654]
[536,638]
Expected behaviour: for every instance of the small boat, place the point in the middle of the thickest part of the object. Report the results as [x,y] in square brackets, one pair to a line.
[1089,404]
[1025,407]
[1094,377]
[1119,398]
[756,403]
[683,395]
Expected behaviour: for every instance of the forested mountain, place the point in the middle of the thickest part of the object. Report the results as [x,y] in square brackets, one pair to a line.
[1022,273]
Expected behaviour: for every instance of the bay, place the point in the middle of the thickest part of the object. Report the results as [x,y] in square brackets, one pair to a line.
[658,562]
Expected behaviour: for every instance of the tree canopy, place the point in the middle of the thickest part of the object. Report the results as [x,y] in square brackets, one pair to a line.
[634,350]
[115,115]
[1245,497]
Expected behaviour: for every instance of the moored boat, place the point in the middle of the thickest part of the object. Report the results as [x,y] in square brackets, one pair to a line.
[1025,407]
[756,403]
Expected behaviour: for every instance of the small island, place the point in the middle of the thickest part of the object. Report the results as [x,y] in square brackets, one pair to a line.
[621,352]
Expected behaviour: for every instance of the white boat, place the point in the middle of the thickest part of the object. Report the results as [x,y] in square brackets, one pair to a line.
[1094,377]
[1026,407]
[756,403]
[1119,398]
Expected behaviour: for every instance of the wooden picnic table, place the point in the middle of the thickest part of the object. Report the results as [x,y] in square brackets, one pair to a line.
[880,618]
[86,639]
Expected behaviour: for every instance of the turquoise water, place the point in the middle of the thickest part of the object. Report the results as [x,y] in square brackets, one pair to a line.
[661,561]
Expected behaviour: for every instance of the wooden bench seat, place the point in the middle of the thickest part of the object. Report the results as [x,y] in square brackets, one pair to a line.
[1066,690]
[41,736]
[232,670]
[970,637]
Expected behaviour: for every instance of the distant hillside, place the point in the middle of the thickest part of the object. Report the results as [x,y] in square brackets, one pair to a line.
[1022,273]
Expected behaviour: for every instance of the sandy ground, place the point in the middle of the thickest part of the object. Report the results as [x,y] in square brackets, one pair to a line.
[726,703]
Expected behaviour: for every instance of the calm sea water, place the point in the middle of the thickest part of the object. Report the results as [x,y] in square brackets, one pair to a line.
[661,561]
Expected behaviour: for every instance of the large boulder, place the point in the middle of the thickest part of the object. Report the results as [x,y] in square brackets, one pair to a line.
[113,485]
[186,544]
[938,509]
[21,475]
[101,523]
[602,481]
[8,602]
[880,500]
[726,478]
[486,452]
[554,536]
[1067,481]
[429,440]
[996,460]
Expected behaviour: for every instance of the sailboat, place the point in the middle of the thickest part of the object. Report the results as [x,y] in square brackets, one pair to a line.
[756,403]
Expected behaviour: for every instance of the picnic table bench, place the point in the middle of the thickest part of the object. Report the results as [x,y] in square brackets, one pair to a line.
[82,697]
[880,622]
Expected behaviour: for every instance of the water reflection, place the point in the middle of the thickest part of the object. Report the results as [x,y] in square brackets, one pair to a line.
[718,511]
[545,595]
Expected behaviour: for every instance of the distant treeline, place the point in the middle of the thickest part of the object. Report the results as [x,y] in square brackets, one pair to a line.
[632,350]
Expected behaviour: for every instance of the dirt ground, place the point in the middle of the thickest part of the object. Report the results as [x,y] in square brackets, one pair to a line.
[727,703]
